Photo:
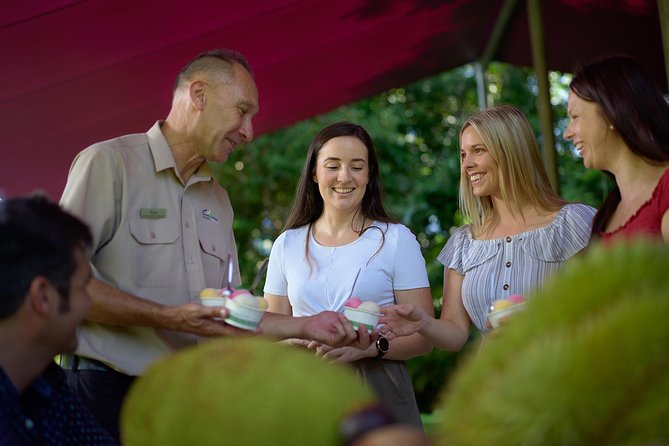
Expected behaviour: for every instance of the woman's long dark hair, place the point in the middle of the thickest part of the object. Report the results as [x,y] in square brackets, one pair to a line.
[634,105]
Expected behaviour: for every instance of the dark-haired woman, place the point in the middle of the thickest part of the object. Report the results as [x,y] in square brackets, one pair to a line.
[339,241]
[619,123]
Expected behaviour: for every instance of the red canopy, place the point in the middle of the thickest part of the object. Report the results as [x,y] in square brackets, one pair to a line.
[76,72]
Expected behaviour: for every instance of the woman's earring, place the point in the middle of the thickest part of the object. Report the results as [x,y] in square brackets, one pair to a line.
[611,127]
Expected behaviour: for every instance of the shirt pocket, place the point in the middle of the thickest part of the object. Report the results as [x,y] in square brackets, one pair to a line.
[213,243]
[157,257]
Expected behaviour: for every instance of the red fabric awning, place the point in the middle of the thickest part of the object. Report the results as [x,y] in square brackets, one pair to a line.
[77,72]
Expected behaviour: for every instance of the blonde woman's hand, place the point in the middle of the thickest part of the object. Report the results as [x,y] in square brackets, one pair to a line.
[401,320]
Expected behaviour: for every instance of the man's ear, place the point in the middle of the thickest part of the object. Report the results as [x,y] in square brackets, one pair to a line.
[38,295]
[197,92]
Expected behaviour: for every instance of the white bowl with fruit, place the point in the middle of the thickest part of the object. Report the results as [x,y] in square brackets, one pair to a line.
[503,308]
[359,312]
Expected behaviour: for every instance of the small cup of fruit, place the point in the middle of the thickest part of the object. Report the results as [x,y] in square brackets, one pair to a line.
[245,310]
[362,313]
[502,308]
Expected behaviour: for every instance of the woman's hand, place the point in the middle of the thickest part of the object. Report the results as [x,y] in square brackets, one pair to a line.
[402,320]
[344,354]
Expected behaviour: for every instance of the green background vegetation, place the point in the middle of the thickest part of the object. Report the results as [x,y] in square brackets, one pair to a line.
[415,130]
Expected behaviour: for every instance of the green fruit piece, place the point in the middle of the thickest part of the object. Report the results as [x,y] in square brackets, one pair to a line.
[586,363]
[240,391]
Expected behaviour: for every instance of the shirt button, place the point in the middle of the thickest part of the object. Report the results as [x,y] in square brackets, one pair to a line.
[506,286]
[29,423]
[213,248]
[153,235]
[508,239]
[508,264]
[190,260]
[187,224]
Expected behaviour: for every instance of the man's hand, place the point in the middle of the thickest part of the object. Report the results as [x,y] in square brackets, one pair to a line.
[331,328]
[200,320]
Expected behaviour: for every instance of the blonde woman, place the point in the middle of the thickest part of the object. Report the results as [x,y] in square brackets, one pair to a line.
[521,232]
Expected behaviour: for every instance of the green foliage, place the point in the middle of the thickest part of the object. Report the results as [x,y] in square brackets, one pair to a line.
[415,129]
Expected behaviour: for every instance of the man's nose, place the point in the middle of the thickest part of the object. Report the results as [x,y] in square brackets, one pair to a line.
[246,131]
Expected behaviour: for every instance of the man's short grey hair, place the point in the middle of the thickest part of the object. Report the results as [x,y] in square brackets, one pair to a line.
[213,62]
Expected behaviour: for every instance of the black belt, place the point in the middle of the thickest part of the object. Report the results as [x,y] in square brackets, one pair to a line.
[74,362]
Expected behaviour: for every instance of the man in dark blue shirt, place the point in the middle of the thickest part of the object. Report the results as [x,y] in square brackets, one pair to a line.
[44,270]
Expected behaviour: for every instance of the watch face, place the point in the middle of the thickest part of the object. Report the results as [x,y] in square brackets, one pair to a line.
[383,344]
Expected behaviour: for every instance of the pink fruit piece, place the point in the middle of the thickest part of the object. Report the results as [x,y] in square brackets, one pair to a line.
[516,299]
[353,302]
[240,292]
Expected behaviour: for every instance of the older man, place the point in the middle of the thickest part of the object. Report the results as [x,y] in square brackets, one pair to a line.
[162,231]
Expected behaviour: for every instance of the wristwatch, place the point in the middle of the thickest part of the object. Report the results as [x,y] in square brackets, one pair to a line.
[382,346]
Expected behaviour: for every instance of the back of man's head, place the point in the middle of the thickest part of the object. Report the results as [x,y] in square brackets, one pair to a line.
[37,238]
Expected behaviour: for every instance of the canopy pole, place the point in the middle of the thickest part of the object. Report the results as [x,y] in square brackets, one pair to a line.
[497,33]
[663,7]
[543,100]
[490,50]
[481,86]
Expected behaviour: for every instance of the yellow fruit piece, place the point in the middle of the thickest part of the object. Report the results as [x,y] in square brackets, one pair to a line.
[262,303]
[501,304]
[209,292]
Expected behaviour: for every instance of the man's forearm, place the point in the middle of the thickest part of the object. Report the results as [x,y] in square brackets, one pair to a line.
[112,306]
[282,326]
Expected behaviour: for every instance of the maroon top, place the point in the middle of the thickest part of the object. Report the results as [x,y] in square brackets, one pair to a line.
[647,220]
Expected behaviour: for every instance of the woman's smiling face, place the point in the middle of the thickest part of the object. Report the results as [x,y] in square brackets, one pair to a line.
[478,165]
[342,173]
[589,131]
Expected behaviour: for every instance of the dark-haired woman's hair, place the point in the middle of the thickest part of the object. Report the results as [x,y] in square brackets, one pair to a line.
[634,105]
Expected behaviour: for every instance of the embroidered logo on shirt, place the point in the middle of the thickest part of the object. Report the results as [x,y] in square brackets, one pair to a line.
[208,215]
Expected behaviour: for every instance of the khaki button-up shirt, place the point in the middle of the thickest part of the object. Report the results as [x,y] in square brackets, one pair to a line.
[154,237]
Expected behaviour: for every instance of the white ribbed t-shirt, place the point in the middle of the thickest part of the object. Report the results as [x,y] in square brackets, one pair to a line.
[326,285]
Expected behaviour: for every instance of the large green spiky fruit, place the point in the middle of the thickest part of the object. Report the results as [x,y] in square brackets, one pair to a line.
[240,391]
[587,362]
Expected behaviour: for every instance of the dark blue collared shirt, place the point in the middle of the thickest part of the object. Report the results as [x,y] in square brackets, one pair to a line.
[47,413]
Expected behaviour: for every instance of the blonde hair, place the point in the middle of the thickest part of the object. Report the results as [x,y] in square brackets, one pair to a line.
[523,180]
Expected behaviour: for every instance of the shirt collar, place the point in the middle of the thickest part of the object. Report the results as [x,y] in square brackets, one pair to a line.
[163,158]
